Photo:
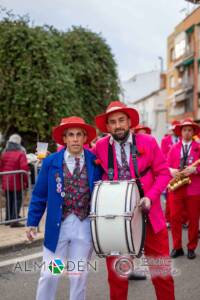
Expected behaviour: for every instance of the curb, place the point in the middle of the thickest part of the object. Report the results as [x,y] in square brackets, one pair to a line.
[21,245]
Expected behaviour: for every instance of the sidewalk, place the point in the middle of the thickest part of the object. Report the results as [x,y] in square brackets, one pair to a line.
[13,238]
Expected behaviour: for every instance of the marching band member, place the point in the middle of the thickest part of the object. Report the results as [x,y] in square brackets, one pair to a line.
[180,157]
[117,120]
[170,139]
[142,129]
[167,142]
[64,188]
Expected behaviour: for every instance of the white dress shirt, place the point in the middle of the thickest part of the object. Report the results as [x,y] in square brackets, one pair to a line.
[189,147]
[70,160]
[118,148]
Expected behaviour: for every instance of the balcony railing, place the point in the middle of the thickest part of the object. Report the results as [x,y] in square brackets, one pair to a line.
[184,85]
[189,53]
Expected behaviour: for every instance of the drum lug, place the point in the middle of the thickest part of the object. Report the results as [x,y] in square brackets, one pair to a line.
[92,216]
[128,215]
[110,216]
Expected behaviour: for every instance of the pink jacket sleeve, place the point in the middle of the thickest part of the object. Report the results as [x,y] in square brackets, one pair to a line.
[161,173]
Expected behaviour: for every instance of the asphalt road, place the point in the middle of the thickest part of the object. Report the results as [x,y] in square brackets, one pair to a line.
[18,280]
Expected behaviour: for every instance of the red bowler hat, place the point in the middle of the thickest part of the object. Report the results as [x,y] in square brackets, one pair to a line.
[116,106]
[142,127]
[72,122]
[187,122]
[174,124]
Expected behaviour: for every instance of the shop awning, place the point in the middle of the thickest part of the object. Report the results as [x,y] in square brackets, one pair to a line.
[188,62]
[190,29]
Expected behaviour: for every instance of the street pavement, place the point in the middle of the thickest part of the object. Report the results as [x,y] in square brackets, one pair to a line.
[18,279]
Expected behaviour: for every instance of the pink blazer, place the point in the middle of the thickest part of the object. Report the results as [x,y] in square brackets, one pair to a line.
[166,144]
[174,158]
[155,180]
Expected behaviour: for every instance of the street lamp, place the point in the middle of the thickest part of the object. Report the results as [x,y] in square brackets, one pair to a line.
[161,64]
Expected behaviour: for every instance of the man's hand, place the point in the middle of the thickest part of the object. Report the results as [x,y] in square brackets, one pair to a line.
[189,170]
[175,173]
[145,203]
[31,233]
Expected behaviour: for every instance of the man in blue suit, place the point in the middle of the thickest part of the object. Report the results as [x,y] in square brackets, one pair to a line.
[63,188]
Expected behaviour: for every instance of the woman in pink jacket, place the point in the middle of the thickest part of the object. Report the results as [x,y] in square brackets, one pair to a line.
[117,120]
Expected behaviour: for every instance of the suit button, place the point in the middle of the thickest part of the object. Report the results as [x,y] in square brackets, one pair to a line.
[61,207]
[58,224]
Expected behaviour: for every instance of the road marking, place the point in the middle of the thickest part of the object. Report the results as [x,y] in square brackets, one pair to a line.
[20,259]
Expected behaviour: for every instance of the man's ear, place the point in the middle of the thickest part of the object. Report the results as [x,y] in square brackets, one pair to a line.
[129,122]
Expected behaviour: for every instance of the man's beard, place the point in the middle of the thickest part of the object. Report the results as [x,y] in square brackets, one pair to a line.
[122,137]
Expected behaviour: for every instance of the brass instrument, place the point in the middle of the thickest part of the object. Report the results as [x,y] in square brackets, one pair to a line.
[176,183]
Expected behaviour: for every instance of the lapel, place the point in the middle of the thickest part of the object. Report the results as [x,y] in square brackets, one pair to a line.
[104,156]
[115,162]
[179,148]
[89,167]
[58,164]
[193,153]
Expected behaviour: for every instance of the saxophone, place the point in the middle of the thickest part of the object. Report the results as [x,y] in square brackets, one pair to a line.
[176,183]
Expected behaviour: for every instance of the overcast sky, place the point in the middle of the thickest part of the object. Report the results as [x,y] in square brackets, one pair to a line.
[136,30]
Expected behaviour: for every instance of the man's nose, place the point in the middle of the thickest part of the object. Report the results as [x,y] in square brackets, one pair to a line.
[118,125]
[75,138]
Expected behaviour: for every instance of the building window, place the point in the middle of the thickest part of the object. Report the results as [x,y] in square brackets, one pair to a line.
[180,45]
[171,82]
[189,103]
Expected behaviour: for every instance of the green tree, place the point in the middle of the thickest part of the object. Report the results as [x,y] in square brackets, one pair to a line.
[36,88]
[46,75]
[93,68]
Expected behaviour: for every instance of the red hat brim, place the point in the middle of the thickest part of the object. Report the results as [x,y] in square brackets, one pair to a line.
[147,129]
[178,128]
[59,130]
[101,120]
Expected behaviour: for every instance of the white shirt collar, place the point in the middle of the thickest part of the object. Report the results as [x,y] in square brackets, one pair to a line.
[186,143]
[68,155]
[128,141]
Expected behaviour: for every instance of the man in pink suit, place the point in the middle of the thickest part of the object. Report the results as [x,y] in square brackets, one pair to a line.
[117,120]
[167,142]
[180,157]
[170,139]
[140,128]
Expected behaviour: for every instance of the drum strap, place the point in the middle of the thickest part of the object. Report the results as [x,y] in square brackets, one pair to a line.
[110,162]
[134,153]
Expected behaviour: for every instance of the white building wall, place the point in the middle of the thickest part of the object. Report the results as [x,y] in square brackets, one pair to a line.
[153,114]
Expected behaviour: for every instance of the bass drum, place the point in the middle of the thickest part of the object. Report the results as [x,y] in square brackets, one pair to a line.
[117,222]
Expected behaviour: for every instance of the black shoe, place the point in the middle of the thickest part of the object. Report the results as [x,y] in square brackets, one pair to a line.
[15,225]
[185,226]
[191,254]
[177,252]
[137,275]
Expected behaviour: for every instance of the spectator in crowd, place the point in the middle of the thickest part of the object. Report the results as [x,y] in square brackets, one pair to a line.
[13,158]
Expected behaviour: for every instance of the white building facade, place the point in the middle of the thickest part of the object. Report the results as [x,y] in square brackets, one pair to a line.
[143,93]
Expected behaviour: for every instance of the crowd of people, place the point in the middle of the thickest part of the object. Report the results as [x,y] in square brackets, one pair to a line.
[66,181]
